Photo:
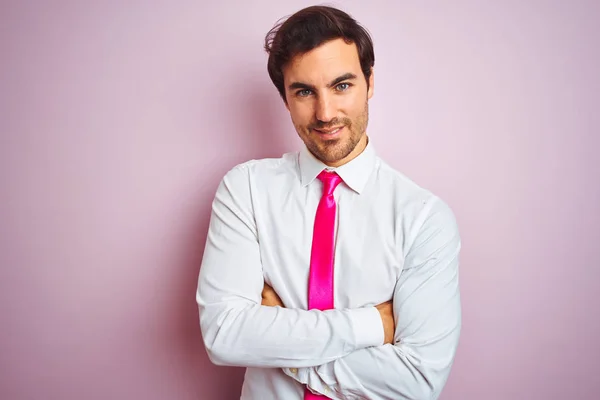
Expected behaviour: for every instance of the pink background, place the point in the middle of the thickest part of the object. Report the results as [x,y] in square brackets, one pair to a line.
[117,122]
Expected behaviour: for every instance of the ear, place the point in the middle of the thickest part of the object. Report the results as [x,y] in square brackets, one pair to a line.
[371,84]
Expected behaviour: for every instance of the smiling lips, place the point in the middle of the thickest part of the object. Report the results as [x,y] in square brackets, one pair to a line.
[329,133]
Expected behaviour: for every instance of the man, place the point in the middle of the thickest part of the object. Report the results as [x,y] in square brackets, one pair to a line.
[326,272]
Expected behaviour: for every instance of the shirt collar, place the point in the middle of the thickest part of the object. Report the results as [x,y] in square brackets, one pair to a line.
[354,173]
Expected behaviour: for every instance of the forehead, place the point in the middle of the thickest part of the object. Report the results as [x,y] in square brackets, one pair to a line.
[323,63]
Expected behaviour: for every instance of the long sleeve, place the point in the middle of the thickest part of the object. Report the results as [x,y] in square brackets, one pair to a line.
[237,330]
[428,320]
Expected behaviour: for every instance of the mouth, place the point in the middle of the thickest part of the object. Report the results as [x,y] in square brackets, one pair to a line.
[329,133]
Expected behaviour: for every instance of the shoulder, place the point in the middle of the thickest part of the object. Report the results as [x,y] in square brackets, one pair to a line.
[264,169]
[404,190]
[418,205]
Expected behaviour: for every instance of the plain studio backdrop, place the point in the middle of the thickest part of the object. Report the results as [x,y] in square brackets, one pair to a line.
[118,120]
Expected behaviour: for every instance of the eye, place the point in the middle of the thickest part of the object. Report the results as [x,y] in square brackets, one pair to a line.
[342,87]
[303,93]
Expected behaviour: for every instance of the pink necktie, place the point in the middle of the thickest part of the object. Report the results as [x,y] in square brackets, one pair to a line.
[320,280]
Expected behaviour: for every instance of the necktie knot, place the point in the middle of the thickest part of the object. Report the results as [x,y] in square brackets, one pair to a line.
[330,181]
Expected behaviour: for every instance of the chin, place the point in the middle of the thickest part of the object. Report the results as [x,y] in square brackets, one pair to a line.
[332,156]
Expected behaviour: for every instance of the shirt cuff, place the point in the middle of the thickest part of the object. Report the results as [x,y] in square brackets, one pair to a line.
[368,327]
[317,386]
[299,374]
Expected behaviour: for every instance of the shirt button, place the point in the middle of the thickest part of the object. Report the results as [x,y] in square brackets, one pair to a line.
[293,371]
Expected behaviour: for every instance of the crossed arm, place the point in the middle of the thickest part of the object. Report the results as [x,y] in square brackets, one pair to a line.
[337,352]
[270,298]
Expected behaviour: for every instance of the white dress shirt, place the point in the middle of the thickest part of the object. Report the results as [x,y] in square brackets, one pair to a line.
[394,239]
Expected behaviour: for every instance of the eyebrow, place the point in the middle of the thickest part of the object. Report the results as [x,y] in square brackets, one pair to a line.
[341,78]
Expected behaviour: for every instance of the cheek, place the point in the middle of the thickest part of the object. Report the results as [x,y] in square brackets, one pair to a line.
[354,106]
[344,104]
[301,114]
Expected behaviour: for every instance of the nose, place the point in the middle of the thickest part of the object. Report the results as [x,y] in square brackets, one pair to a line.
[325,108]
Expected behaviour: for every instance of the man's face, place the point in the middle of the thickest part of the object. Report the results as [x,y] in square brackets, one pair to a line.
[327,97]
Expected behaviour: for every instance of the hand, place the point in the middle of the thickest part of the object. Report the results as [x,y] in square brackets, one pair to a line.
[386,310]
[270,298]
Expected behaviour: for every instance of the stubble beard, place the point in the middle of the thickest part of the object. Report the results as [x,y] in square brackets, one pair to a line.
[334,150]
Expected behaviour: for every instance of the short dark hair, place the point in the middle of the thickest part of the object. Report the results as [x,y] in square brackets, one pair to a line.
[308,29]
